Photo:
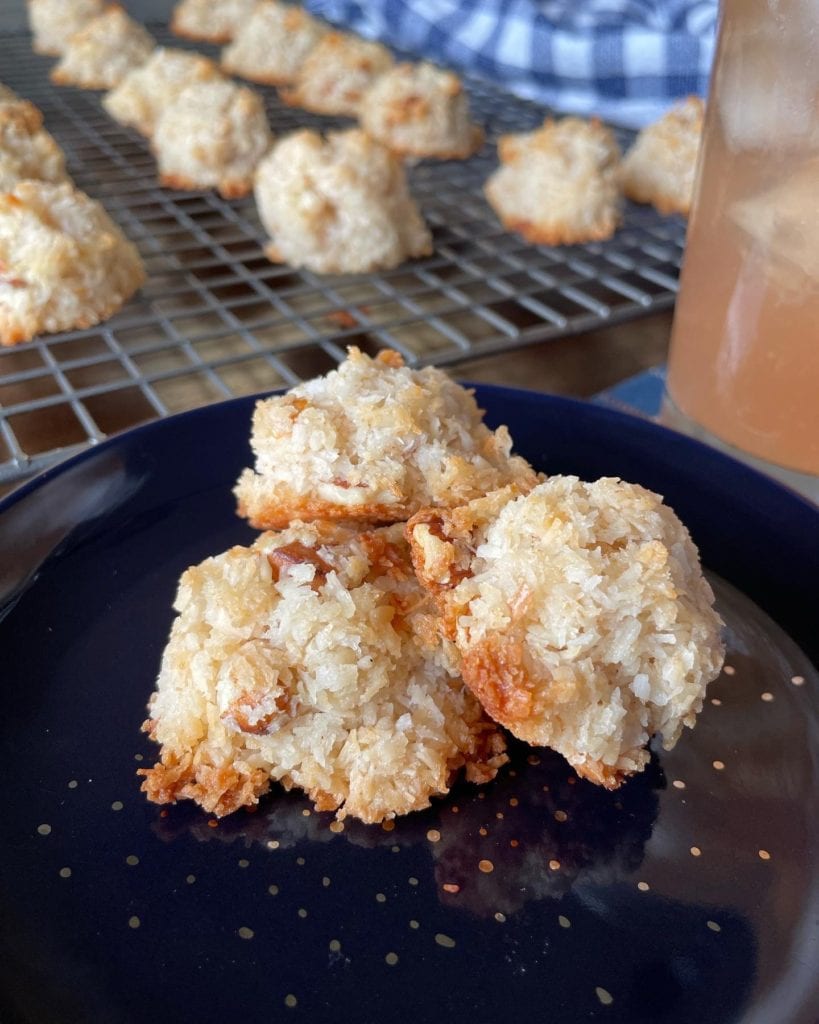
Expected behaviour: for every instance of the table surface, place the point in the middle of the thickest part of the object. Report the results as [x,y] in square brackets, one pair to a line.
[582,365]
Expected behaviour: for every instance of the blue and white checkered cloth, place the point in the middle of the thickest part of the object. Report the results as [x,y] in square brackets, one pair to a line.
[625,60]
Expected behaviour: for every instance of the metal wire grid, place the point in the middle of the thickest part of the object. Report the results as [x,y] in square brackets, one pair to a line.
[216,319]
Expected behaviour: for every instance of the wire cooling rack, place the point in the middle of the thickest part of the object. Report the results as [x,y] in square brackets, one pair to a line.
[216,319]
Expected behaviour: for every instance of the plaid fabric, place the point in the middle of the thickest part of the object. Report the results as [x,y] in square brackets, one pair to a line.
[625,60]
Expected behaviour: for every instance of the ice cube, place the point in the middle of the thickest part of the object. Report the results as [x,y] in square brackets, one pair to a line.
[784,222]
[767,82]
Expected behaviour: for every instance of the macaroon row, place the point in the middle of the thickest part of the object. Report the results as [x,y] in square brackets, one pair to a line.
[209,132]
[561,184]
[339,204]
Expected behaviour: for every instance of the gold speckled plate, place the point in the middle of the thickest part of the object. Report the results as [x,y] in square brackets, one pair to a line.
[688,895]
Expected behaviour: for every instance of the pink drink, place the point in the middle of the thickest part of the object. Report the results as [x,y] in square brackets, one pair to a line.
[744,358]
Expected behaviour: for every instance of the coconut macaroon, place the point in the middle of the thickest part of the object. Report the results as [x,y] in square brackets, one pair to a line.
[53,22]
[273,43]
[419,110]
[336,73]
[102,53]
[213,21]
[147,90]
[309,659]
[212,136]
[660,166]
[64,264]
[8,95]
[339,205]
[372,441]
[27,150]
[581,615]
[558,185]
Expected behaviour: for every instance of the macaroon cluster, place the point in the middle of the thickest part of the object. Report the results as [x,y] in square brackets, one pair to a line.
[418,589]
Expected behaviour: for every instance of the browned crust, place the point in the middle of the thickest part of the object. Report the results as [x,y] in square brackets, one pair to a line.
[15,332]
[489,755]
[559,234]
[180,182]
[262,78]
[386,558]
[494,671]
[290,97]
[234,188]
[601,774]
[664,202]
[59,76]
[439,522]
[219,38]
[278,515]
[228,188]
[389,357]
[222,789]
[219,789]
[407,108]
[273,254]
[324,801]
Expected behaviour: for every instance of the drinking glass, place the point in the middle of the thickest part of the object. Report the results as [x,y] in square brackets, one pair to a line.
[744,363]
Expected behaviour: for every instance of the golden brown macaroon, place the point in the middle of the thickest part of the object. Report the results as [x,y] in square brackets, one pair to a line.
[213,135]
[273,43]
[580,613]
[338,205]
[54,22]
[309,659]
[102,53]
[373,441]
[419,110]
[64,263]
[27,150]
[146,91]
[212,21]
[336,73]
[660,166]
[558,185]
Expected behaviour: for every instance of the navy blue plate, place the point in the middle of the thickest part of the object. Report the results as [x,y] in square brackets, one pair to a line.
[688,895]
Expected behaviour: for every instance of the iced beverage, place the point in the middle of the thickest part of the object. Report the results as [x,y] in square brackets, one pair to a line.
[744,360]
